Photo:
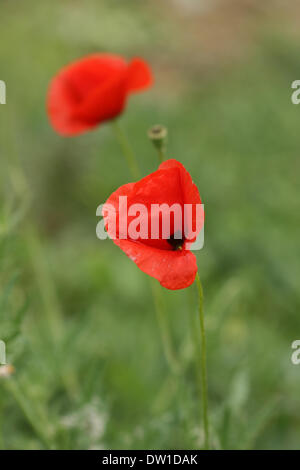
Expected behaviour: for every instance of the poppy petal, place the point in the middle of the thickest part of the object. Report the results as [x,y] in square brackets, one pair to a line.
[139,75]
[190,195]
[92,90]
[103,103]
[162,188]
[173,269]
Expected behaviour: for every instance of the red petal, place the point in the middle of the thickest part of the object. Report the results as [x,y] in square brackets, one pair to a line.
[190,195]
[87,92]
[139,75]
[160,187]
[171,183]
[103,103]
[173,269]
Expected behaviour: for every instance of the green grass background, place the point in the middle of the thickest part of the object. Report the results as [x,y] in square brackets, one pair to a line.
[76,314]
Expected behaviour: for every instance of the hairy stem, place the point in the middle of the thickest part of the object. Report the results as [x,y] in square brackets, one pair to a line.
[164,328]
[202,361]
[126,149]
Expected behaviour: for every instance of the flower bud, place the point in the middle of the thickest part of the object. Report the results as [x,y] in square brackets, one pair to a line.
[158,135]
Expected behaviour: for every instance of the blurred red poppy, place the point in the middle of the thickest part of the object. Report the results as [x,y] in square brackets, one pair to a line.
[167,259]
[92,90]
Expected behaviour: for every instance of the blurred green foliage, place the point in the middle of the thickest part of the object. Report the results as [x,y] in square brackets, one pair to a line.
[76,314]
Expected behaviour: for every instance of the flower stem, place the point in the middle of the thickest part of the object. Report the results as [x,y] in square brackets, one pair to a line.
[161,155]
[164,328]
[1,427]
[30,414]
[202,361]
[126,149]
[52,311]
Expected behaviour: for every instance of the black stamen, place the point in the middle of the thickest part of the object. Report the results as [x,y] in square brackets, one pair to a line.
[177,242]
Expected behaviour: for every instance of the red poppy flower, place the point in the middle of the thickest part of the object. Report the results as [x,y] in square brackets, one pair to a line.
[93,90]
[167,259]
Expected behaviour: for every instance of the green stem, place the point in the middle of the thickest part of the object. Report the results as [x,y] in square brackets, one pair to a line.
[22,189]
[1,425]
[28,412]
[202,361]
[126,149]
[164,328]
[161,154]
[195,338]
[45,284]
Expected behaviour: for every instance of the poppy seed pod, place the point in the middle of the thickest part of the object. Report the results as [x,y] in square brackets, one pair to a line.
[158,135]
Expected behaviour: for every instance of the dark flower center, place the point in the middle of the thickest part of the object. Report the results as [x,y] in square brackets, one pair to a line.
[176,240]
